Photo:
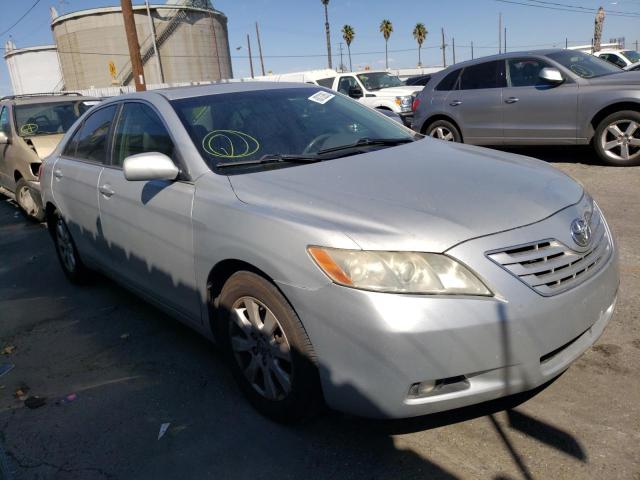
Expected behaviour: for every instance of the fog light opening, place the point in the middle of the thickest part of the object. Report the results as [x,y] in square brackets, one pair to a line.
[430,388]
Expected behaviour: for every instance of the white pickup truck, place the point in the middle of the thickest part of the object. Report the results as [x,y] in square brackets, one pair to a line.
[376,89]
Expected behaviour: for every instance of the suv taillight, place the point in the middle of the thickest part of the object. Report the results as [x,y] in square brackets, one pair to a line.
[40,170]
[415,104]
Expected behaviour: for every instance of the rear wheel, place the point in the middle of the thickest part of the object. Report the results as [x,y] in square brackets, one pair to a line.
[268,349]
[67,252]
[444,130]
[29,201]
[617,139]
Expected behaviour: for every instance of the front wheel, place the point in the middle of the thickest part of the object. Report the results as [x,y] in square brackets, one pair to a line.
[29,201]
[617,139]
[268,350]
[444,130]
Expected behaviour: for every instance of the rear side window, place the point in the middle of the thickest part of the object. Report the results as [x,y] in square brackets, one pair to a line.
[140,130]
[483,75]
[326,82]
[92,138]
[449,82]
[4,121]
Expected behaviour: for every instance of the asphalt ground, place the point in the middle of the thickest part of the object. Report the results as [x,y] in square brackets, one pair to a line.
[132,369]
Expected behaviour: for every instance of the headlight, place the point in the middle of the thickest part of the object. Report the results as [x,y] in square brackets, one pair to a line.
[397,272]
[404,102]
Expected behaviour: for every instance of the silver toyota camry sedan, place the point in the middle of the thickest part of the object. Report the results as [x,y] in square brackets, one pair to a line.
[334,255]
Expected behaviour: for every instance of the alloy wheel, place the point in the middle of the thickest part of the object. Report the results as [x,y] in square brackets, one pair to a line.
[621,140]
[65,246]
[442,133]
[261,348]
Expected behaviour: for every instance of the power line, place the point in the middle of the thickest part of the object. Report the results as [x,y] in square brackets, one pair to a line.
[580,7]
[20,19]
[567,9]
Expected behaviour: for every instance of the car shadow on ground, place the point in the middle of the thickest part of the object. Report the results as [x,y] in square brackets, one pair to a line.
[558,154]
[133,369]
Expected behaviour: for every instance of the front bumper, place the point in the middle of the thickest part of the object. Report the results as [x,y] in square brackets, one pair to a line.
[371,347]
[407,118]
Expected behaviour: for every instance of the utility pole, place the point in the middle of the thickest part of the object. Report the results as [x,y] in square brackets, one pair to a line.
[500,32]
[260,49]
[453,46]
[250,59]
[443,46]
[471,49]
[134,46]
[341,64]
[505,39]
[155,44]
[636,45]
[566,43]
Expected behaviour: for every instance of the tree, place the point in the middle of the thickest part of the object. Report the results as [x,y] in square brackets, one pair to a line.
[386,28]
[420,34]
[348,33]
[597,33]
[327,30]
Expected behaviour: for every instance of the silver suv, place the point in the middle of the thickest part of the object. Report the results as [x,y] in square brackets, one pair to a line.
[549,97]
[30,128]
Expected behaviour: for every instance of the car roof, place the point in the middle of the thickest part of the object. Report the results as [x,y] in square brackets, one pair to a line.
[37,99]
[500,56]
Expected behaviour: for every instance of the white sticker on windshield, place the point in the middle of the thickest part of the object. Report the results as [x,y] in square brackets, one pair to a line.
[321,97]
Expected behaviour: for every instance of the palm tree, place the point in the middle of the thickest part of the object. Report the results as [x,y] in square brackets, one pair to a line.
[420,34]
[348,33]
[386,28]
[326,28]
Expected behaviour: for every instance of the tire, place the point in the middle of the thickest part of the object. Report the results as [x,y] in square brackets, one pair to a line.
[276,371]
[444,130]
[29,201]
[67,252]
[617,139]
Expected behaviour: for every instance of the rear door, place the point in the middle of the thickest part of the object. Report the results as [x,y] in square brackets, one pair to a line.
[75,180]
[476,103]
[148,236]
[6,176]
[536,112]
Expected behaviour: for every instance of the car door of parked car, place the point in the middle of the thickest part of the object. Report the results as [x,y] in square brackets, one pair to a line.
[146,225]
[476,103]
[75,180]
[536,111]
[5,127]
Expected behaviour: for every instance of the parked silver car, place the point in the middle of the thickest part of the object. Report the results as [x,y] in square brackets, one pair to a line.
[333,253]
[547,97]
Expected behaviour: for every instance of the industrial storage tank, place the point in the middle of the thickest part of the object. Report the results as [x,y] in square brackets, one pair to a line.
[191,39]
[33,69]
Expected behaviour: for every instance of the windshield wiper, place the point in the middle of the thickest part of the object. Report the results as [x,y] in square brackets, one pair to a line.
[272,158]
[365,142]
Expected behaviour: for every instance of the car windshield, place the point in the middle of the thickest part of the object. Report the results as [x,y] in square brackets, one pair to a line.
[252,125]
[49,118]
[379,80]
[631,55]
[583,64]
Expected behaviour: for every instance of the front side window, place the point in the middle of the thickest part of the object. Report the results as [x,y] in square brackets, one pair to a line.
[525,72]
[326,82]
[5,127]
[483,75]
[631,55]
[49,118]
[613,58]
[347,83]
[378,80]
[244,126]
[140,130]
[583,64]
[92,138]
[449,82]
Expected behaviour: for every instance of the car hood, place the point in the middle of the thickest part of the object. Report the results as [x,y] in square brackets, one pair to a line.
[398,91]
[427,195]
[44,144]
[618,79]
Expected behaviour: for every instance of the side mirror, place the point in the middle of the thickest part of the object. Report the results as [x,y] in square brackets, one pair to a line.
[551,75]
[355,92]
[4,140]
[149,166]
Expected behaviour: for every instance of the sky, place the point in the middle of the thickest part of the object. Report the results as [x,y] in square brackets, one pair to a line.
[293,38]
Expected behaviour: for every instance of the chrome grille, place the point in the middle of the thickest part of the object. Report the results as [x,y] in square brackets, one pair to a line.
[550,267]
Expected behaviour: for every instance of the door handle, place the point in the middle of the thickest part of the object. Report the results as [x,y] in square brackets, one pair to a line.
[106,191]
[57,173]
[512,100]
[455,103]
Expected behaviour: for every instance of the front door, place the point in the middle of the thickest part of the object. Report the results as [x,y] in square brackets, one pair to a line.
[146,226]
[535,111]
[5,127]
[476,103]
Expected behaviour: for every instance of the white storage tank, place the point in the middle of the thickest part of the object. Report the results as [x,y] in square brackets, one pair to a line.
[33,69]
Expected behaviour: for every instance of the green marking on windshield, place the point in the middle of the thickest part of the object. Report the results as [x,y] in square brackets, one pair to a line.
[229,144]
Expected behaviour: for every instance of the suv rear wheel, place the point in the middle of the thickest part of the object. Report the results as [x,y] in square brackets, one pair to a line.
[617,139]
[29,201]
[444,130]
